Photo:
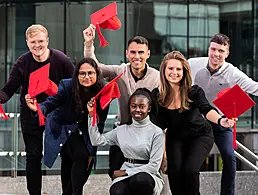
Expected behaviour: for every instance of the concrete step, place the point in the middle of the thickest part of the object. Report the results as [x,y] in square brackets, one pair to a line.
[98,184]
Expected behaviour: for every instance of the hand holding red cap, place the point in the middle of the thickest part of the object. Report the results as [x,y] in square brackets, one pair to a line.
[233,102]
[109,92]
[39,82]
[106,18]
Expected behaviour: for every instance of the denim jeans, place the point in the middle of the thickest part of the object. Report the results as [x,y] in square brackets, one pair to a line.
[224,141]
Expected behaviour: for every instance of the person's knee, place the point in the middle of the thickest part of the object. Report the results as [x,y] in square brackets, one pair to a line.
[142,180]
[191,173]
[33,157]
[228,157]
[116,190]
[174,170]
[81,158]
[33,153]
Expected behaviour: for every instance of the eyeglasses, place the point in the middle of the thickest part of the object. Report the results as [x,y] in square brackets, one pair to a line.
[83,74]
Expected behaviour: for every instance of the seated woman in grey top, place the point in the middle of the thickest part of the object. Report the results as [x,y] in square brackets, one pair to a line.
[142,144]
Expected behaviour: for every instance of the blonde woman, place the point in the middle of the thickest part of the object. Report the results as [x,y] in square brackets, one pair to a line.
[181,109]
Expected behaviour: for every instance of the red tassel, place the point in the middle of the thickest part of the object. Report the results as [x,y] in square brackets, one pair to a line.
[94,114]
[2,113]
[234,138]
[103,42]
[42,118]
[234,133]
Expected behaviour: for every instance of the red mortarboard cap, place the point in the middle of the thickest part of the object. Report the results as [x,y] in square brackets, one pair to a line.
[106,18]
[233,102]
[2,113]
[40,83]
[109,92]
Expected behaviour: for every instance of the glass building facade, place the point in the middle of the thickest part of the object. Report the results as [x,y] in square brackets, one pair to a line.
[184,25]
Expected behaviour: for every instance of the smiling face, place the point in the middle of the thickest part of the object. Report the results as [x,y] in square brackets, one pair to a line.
[137,54]
[38,45]
[139,107]
[217,54]
[174,71]
[87,75]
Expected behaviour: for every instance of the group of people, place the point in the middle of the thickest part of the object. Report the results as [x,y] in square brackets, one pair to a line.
[170,126]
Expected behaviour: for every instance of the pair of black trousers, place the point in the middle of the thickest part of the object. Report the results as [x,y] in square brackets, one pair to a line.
[33,140]
[75,165]
[185,157]
[139,184]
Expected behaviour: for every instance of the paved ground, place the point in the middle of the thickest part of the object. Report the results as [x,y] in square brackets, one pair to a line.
[98,184]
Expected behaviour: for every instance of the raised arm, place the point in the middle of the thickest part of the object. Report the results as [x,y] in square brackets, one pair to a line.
[89,36]
[96,136]
[108,71]
[97,139]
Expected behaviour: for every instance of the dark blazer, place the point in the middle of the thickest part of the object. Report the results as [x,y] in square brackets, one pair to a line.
[62,120]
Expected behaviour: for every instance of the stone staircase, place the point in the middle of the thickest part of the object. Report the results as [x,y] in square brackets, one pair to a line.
[98,184]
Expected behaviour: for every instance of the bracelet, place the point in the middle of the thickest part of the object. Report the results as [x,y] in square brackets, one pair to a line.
[219,120]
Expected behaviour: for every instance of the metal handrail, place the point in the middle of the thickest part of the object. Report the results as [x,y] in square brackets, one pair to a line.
[14,117]
[249,152]
[243,159]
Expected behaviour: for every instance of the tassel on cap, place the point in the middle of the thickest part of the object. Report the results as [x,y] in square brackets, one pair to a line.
[39,82]
[2,113]
[109,92]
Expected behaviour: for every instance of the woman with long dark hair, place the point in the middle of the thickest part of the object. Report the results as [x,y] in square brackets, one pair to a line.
[67,125]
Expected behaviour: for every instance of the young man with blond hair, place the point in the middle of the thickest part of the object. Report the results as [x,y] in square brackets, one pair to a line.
[60,67]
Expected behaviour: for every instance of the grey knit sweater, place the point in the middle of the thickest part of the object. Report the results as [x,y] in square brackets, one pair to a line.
[227,76]
[141,140]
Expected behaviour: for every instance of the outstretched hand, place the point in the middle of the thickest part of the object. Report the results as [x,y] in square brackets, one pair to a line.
[89,34]
[31,102]
[225,122]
